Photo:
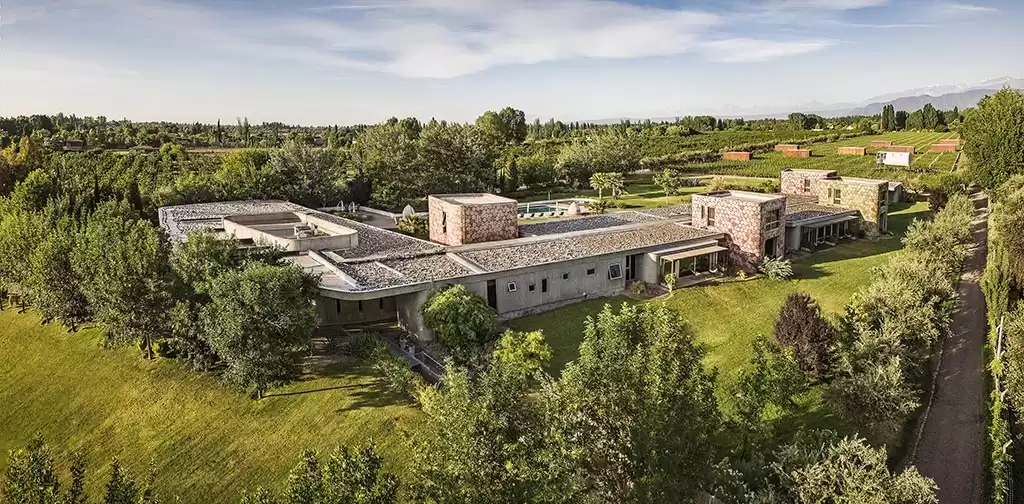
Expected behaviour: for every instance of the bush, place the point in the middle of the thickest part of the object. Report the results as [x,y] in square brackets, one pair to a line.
[463,321]
[776,268]
[638,289]
[877,399]
[364,346]
[414,225]
[394,372]
[802,328]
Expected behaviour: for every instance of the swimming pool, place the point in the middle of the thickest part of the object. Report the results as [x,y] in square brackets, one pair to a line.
[536,209]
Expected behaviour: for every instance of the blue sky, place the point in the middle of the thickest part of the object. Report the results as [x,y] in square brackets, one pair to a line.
[353,61]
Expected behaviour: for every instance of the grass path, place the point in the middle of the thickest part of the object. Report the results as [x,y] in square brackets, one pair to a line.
[208,441]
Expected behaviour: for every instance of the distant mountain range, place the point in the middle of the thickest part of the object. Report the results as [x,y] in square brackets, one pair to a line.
[942,97]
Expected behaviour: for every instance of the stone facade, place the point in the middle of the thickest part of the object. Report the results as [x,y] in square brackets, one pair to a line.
[464,219]
[793,181]
[868,197]
[749,220]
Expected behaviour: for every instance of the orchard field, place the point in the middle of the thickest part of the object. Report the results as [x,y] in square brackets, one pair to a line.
[823,157]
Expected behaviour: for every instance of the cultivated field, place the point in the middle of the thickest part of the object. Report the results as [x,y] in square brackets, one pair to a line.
[824,157]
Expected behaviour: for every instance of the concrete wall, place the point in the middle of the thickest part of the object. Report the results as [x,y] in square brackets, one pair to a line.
[744,221]
[793,180]
[276,229]
[868,198]
[343,312]
[410,316]
[459,224]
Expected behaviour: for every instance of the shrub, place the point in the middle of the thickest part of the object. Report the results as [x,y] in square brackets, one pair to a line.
[802,328]
[414,225]
[877,399]
[670,281]
[363,346]
[463,321]
[776,268]
[638,289]
[394,372]
[599,206]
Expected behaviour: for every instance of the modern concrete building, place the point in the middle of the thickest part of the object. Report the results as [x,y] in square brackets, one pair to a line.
[371,275]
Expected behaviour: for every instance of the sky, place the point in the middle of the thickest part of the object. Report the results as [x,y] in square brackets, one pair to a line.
[363,61]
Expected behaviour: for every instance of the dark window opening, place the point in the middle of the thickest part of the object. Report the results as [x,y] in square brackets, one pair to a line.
[711,216]
[614,272]
[565,276]
[337,305]
[380,303]
[492,294]
[590,271]
[444,222]
[769,247]
[360,303]
[631,267]
[544,285]
[512,287]
[533,287]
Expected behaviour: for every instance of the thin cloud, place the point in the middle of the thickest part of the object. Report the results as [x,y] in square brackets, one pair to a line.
[972,8]
[747,50]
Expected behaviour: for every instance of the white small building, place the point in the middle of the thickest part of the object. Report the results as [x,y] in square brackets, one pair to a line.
[893,158]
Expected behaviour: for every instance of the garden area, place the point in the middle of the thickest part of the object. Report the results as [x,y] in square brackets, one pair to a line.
[728,315]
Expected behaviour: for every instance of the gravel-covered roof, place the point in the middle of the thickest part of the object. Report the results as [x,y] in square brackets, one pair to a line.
[373,241]
[585,223]
[372,275]
[182,219]
[668,212]
[801,208]
[577,247]
[428,268]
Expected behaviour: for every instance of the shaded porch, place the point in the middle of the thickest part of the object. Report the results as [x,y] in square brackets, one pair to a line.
[691,266]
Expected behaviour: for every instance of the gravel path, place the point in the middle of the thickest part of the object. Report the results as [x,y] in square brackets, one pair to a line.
[951,446]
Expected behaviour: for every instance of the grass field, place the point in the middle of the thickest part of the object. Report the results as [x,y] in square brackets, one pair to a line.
[642,193]
[824,157]
[727,316]
[208,441]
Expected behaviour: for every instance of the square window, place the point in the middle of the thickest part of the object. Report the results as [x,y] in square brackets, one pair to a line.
[614,272]
[532,287]
[590,271]
[511,286]
[565,276]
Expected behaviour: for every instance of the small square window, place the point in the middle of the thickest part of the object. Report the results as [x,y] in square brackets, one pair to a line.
[565,276]
[590,271]
[614,272]
[511,286]
[533,287]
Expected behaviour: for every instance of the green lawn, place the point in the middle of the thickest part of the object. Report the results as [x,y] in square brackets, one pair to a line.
[208,441]
[926,164]
[727,316]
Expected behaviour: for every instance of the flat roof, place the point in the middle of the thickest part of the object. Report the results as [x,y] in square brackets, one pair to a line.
[858,180]
[744,195]
[808,170]
[602,221]
[473,198]
[801,209]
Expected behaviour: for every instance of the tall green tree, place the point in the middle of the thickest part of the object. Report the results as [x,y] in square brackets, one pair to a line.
[260,320]
[310,175]
[635,414]
[802,328]
[668,181]
[55,284]
[123,261]
[993,135]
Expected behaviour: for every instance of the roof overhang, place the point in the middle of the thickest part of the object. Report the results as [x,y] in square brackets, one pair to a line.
[686,254]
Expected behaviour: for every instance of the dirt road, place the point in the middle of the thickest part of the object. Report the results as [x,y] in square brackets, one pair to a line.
[951,447]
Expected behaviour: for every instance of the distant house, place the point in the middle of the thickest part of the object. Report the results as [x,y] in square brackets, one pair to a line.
[74,144]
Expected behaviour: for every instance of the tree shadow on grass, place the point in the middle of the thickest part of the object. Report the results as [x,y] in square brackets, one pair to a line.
[350,386]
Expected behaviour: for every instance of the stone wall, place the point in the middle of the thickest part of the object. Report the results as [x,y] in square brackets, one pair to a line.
[793,180]
[869,198]
[490,222]
[459,224]
[744,222]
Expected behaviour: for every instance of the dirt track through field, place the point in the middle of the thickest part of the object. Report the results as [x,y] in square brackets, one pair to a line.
[951,445]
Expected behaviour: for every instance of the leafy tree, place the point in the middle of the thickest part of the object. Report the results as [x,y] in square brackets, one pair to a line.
[877,398]
[452,158]
[993,135]
[820,467]
[259,321]
[463,321]
[1006,224]
[764,390]
[387,154]
[54,282]
[527,351]
[901,119]
[802,328]
[484,440]
[668,181]
[126,274]
[248,174]
[311,176]
[31,477]
[603,153]
[930,117]
[611,181]
[634,415]
[346,477]
[20,233]
[506,127]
